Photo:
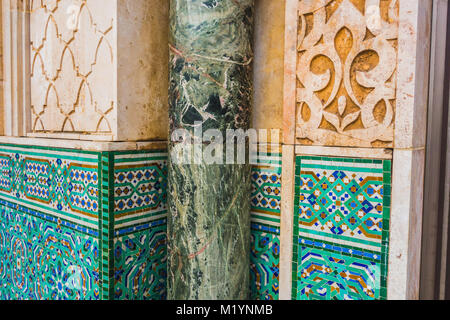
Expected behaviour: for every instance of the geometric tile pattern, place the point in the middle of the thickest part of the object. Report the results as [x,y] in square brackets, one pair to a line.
[140,225]
[341,228]
[60,237]
[106,221]
[140,181]
[64,183]
[265,226]
[333,274]
[60,208]
[140,264]
[45,258]
[266,189]
[264,267]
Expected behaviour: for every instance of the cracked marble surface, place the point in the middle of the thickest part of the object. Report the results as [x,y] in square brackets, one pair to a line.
[210,83]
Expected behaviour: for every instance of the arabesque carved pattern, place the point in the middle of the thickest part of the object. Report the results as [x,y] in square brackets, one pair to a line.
[346,72]
[72,56]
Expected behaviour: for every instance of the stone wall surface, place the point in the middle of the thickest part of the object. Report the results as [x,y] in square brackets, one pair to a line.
[268,65]
[96,67]
[354,128]
[267,114]
[347,54]
[72,66]
[333,213]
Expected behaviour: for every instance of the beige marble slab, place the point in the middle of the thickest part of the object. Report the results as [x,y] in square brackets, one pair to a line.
[85,145]
[268,64]
[290,62]
[287,221]
[98,67]
[369,153]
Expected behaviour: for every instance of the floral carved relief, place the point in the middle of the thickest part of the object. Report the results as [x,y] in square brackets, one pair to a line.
[346,72]
[72,63]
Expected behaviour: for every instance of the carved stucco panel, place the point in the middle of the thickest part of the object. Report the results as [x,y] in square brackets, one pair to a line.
[72,66]
[346,72]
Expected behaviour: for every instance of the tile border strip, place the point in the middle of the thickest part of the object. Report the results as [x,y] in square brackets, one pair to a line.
[387,174]
[106,221]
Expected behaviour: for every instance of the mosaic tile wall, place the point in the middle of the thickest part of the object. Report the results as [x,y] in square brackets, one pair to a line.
[341,228]
[60,237]
[92,225]
[44,257]
[140,218]
[265,227]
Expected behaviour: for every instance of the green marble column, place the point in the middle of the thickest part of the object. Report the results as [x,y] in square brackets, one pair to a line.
[209,205]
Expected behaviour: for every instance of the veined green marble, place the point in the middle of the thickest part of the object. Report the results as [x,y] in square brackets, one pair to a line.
[209,207]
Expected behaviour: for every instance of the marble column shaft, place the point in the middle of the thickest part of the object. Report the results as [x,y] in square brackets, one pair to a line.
[209,204]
